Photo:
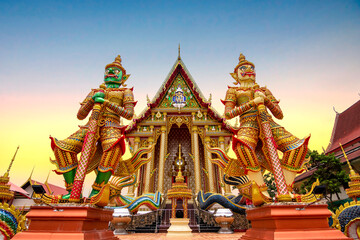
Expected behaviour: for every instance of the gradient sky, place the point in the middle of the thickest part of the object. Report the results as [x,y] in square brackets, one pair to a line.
[53,52]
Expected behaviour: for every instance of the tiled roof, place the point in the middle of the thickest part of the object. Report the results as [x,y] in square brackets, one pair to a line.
[346,128]
[18,189]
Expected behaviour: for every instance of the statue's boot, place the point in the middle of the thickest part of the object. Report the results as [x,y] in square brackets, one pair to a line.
[101,179]
[259,195]
[69,182]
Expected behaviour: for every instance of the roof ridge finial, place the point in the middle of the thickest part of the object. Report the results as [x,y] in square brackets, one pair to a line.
[32,171]
[179,58]
[12,161]
[352,172]
[47,179]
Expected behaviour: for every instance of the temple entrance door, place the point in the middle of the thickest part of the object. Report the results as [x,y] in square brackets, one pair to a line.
[176,136]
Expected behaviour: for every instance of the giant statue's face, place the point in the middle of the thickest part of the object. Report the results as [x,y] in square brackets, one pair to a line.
[246,73]
[113,75]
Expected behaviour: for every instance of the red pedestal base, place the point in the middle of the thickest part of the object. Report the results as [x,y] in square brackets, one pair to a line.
[280,222]
[72,223]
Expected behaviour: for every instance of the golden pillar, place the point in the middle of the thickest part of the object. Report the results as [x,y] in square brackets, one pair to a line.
[196,159]
[131,188]
[227,188]
[162,160]
[210,167]
[148,168]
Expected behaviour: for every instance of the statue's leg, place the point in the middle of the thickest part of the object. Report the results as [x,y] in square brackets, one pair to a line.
[294,153]
[246,141]
[113,147]
[65,152]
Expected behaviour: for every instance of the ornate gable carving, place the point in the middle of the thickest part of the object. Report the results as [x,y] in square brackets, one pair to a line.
[179,95]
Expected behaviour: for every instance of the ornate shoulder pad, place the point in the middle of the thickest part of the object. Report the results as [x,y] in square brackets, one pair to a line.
[230,95]
[129,96]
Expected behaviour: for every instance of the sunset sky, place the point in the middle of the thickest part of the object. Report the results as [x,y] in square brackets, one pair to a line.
[53,52]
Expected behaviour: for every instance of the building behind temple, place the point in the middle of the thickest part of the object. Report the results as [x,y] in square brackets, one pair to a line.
[346,131]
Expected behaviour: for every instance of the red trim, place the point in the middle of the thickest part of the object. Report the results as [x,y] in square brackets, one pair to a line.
[120,141]
[53,145]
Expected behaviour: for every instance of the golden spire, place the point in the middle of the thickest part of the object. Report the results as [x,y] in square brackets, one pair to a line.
[179,58]
[242,61]
[46,181]
[12,160]
[32,171]
[352,172]
[117,64]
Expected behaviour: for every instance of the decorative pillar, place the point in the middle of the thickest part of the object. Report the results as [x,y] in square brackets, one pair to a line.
[131,188]
[185,209]
[162,160]
[148,168]
[173,207]
[210,167]
[227,188]
[196,159]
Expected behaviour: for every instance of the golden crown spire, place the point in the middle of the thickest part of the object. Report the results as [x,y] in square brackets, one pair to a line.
[118,59]
[241,57]
[242,61]
[117,64]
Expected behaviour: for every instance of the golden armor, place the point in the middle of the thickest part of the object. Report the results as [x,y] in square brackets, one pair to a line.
[248,143]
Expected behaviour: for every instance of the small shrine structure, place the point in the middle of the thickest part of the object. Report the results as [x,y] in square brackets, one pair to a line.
[179,189]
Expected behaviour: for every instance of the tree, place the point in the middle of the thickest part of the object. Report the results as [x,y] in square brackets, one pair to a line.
[270,183]
[329,172]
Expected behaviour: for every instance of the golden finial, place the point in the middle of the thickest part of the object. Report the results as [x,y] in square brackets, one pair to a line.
[241,57]
[179,58]
[117,64]
[32,171]
[179,151]
[118,59]
[47,177]
[242,61]
[11,162]
[352,172]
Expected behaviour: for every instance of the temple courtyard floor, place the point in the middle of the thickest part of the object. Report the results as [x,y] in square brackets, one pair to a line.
[195,236]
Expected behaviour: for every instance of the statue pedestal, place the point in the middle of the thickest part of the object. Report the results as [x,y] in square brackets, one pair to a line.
[68,222]
[290,221]
[179,228]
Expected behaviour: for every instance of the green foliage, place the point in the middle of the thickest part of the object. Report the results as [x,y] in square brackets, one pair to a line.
[270,182]
[329,172]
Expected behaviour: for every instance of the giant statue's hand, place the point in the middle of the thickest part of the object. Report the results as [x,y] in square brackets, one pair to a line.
[99,97]
[259,98]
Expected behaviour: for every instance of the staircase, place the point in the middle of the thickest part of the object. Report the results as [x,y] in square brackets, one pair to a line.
[159,221]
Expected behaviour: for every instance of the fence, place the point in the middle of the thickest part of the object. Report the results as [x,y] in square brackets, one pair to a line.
[199,221]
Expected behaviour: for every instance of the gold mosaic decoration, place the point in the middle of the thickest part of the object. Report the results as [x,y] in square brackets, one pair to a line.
[167,101]
[179,120]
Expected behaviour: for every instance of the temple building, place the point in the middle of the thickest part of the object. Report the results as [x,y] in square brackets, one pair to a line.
[179,114]
[346,131]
